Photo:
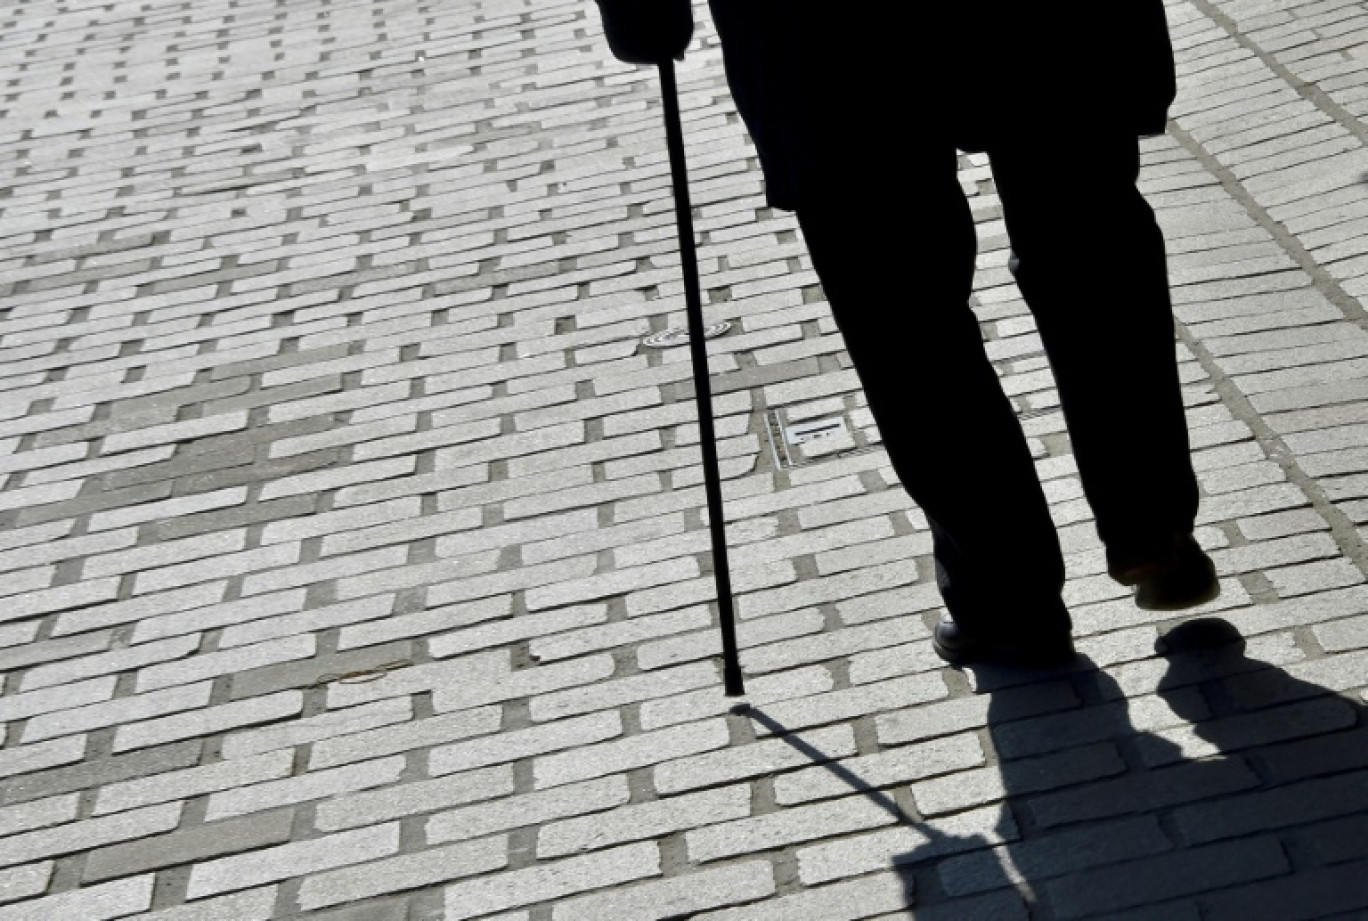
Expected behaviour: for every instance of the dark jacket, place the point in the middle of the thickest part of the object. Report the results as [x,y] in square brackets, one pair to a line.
[830,91]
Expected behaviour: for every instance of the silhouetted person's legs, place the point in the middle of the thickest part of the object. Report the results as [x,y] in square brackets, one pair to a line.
[1092,269]
[897,268]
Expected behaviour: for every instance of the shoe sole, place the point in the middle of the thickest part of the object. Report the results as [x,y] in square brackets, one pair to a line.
[1004,656]
[1147,602]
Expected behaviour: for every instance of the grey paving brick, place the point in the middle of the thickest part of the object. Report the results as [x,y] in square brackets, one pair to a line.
[296,858]
[194,609]
[680,895]
[1169,876]
[191,782]
[552,881]
[636,751]
[188,845]
[48,700]
[1056,855]
[847,901]
[903,765]
[542,679]
[764,689]
[88,833]
[37,814]
[521,743]
[415,797]
[406,736]
[222,565]
[25,882]
[409,871]
[793,825]
[315,620]
[316,728]
[214,664]
[478,670]
[864,853]
[206,721]
[253,905]
[290,791]
[527,809]
[645,820]
[113,712]
[96,903]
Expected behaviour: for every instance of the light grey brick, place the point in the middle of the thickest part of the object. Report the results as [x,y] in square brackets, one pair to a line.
[618,633]
[527,809]
[139,609]
[290,791]
[52,551]
[372,473]
[855,855]
[341,522]
[847,901]
[225,662]
[407,736]
[506,632]
[330,725]
[644,820]
[48,700]
[88,833]
[192,782]
[38,813]
[415,797]
[208,720]
[527,682]
[676,896]
[762,690]
[25,882]
[252,905]
[793,825]
[118,711]
[43,755]
[552,881]
[479,670]
[187,845]
[164,554]
[313,620]
[323,571]
[71,670]
[522,743]
[220,566]
[410,871]
[175,432]
[60,599]
[297,858]
[93,903]
[633,752]
[617,692]
[949,756]
[168,508]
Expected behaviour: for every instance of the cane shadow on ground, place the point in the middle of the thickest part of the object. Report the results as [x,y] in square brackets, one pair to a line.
[1252,802]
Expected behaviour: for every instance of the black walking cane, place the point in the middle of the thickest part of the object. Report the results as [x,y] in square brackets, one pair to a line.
[698,355]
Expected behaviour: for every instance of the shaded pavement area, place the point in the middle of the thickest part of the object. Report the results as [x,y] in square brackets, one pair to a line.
[352,565]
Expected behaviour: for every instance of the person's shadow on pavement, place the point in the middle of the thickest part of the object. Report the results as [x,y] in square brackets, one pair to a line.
[1253,805]
[1248,797]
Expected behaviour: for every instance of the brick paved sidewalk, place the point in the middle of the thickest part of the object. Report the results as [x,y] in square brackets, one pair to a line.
[352,564]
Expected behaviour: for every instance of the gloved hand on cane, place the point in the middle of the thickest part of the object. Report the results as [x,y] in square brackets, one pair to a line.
[647,31]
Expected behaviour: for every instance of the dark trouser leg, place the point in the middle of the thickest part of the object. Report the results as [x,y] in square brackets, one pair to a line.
[1093,271]
[900,299]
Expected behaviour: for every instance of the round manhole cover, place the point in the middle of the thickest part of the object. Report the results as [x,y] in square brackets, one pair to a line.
[672,337]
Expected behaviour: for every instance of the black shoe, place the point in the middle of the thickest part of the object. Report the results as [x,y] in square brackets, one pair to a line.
[1180,576]
[957,647]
